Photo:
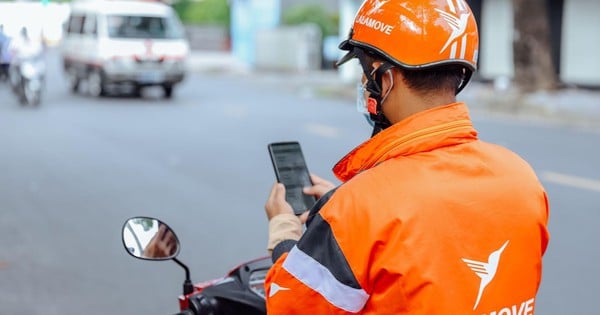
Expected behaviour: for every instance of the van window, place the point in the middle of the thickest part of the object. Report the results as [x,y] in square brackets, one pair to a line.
[75,25]
[132,26]
[90,26]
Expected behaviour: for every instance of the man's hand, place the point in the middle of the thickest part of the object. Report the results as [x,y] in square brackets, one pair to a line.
[320,186]
[162,245]
[276,204]
[283,223]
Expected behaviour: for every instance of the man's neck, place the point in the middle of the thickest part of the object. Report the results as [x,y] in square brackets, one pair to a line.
[411,104]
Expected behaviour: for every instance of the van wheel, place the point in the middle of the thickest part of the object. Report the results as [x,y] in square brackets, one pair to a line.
[73,80]
[137,91]
[168,89]
[95,83]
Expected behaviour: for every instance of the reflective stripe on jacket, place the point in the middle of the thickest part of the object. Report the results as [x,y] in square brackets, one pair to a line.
[429,220]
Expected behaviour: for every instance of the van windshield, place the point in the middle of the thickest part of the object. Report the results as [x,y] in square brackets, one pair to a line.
[132,26]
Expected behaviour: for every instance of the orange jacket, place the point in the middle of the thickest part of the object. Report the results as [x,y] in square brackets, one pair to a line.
[429,220]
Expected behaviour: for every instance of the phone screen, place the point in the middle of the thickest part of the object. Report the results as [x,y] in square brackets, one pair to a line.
[291,171]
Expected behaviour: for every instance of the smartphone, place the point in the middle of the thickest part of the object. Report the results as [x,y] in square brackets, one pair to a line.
[291,171]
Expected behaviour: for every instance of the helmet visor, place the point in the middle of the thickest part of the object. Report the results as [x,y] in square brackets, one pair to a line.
[346,45]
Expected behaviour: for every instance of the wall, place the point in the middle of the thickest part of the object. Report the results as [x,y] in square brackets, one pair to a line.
[580,62]
[208,37]
[496,34]
[289,48]
[349,72]
[247,18]
[580,42]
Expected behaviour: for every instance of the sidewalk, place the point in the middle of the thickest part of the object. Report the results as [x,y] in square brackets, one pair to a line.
[571,106]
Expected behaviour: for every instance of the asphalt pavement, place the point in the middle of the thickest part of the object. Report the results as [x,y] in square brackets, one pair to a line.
[569,105]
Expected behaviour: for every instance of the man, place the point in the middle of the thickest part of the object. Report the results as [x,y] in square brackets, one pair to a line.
[429,219]
[4,57]
[24,46]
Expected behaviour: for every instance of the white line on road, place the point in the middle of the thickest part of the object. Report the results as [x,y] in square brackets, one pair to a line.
[573,181]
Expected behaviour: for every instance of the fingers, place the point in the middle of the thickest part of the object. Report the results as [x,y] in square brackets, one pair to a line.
[162,245]
[277,193]
[320,186]
[171,247]
[162,231]
[272,199]
[166,248]
[169,236]
[304,216]
[317,180]
[276,203]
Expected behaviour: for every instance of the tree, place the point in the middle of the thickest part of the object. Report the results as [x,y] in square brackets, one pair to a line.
[532,53]
[312,13]
[205,12]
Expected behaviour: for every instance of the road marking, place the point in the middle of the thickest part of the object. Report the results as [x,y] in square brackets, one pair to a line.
[573,181]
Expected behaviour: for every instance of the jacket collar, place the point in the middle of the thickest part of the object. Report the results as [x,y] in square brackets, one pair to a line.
[424,131]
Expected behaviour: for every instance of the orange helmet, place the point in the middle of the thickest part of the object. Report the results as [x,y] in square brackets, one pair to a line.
[416,34]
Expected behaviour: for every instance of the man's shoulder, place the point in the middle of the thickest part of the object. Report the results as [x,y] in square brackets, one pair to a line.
[507,159]
[500,150]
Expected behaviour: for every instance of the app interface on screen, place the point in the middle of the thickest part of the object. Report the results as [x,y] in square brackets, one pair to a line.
[293,174]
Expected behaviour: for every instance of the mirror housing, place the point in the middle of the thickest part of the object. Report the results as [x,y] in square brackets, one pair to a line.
[150,239]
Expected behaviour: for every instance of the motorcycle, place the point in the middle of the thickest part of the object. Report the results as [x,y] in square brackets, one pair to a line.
[240,291]
[26,75]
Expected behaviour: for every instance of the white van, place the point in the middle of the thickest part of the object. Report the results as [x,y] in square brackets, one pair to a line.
[109,44]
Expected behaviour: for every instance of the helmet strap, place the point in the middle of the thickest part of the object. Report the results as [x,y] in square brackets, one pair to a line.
[374,87]
[466,79]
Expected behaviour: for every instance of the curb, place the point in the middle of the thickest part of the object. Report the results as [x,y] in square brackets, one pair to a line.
[571,106]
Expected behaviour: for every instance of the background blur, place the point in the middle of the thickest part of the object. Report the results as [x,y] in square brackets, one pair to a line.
[253,30]
[74,168]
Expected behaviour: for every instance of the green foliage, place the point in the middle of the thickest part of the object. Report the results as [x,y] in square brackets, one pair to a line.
[203,12]
[146,223]
[327,22]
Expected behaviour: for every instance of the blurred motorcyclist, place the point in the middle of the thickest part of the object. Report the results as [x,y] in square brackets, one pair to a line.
[27,68]
[23,46]
[4,56]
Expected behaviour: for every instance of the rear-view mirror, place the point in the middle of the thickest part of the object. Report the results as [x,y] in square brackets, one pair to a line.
[150,239]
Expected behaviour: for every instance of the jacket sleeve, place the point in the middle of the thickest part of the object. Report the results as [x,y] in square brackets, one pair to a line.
[287,244]
[314,277]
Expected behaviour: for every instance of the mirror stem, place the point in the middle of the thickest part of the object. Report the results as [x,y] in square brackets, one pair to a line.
[188,287]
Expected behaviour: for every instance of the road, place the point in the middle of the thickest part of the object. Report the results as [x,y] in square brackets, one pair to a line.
[76,168]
